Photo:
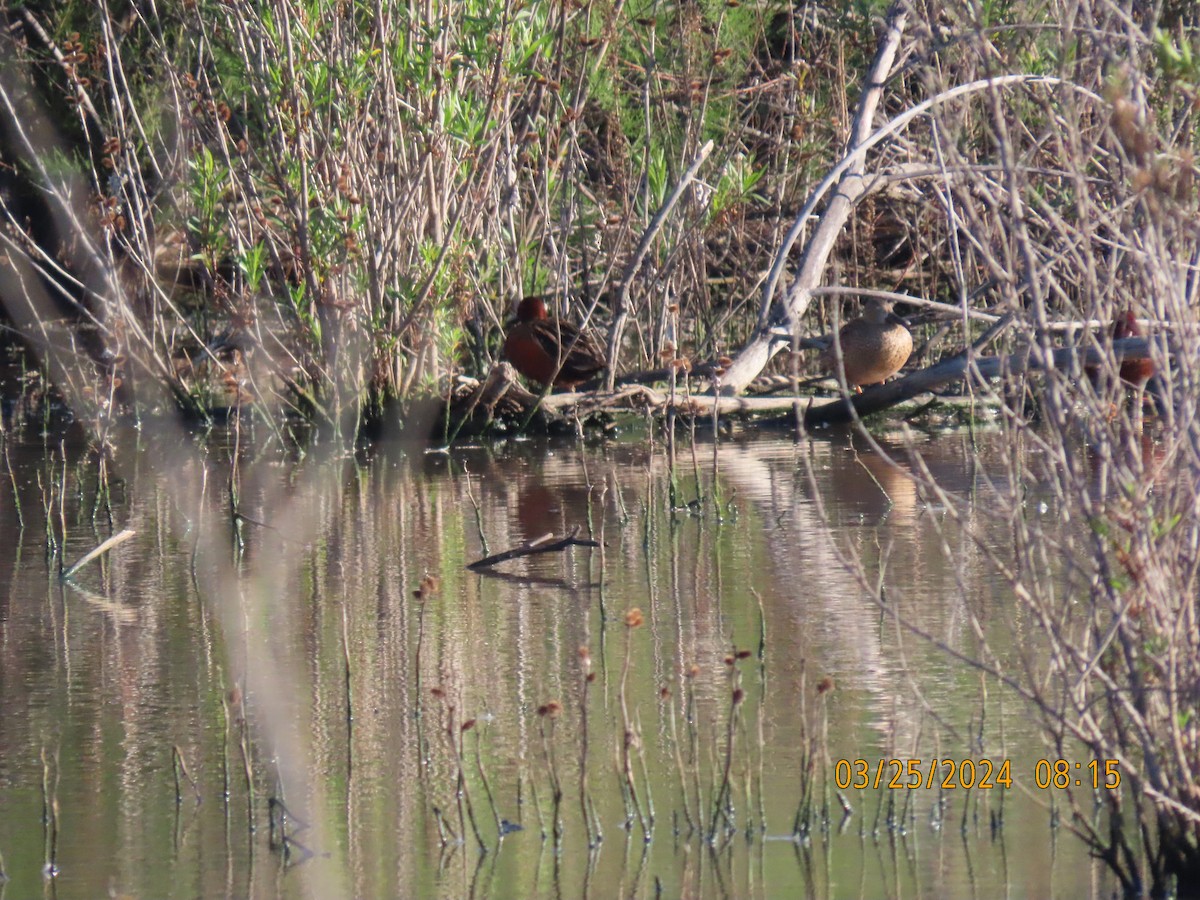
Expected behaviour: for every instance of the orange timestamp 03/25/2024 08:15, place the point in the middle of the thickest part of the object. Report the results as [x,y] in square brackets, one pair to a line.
[972,774]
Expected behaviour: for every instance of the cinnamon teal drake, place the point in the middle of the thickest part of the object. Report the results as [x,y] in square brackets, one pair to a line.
[550,351]
[1134,372]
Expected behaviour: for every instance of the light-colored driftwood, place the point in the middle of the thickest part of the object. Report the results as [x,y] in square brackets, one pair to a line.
[115,541]
[851,185]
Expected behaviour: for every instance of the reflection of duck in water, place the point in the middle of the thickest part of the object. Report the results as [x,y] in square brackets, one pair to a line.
[867,486]
[550,351]
[875,346]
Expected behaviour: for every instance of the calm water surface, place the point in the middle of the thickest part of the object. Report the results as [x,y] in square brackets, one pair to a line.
[288,644]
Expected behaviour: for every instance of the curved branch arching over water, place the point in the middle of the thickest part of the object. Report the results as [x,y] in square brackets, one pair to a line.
[853,185]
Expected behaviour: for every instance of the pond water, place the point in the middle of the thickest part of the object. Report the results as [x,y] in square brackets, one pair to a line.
[279,672]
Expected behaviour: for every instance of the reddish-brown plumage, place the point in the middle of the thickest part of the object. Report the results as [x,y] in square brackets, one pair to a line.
[550,351]
[1133,371]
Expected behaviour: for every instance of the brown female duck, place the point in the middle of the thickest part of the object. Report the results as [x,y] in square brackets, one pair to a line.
[874,346]
[550,351]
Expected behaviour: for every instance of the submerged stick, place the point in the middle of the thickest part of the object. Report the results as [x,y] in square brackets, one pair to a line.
[544,544]
[113,541]
[179,767]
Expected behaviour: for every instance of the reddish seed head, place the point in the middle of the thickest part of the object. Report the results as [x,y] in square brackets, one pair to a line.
[634,618]
[743,654]
[729,660]
[825,685]
[550,710]
[437,692]
[467,725]
[665,693]
[738,696]
[692,671]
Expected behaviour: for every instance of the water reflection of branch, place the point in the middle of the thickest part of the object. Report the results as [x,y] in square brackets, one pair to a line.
[239,517]
[121,613]
[539,581]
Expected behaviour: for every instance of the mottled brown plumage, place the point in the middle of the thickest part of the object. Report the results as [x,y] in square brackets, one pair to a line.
[550,351]
[875,346]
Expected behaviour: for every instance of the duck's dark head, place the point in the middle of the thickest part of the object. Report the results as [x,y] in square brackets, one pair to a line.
[878,311]
[1126,325]
[531,309]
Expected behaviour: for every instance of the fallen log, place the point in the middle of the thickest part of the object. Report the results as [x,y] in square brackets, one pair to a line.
[957,368]
[637,397]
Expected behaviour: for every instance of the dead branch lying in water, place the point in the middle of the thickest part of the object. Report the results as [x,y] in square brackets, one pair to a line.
[544,544]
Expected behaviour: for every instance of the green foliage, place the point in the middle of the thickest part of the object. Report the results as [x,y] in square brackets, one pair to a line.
[252,263]
[736,187]
[1178,58]
[378,167]
[206,186]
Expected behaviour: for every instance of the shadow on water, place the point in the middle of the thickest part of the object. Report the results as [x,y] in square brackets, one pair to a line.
[692,749]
